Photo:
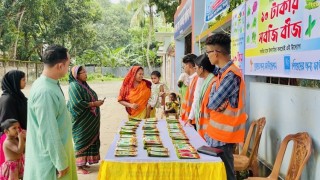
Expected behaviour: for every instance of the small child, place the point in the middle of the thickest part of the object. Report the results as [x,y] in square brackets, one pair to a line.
[13,148]
[157,90]
[173,105]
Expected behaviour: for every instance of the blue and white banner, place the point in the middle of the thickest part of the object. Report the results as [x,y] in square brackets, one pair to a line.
[214,8]
[183,20]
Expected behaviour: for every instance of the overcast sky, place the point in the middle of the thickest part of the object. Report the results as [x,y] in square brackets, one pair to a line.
[115,1]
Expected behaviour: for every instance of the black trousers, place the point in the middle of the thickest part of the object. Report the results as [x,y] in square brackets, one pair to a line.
[227,158]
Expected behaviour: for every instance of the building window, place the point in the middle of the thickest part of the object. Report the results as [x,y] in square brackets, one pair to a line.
[294,82]
[188,44]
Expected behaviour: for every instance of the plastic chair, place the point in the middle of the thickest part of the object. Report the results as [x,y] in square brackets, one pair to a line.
[301,152]
[242,161]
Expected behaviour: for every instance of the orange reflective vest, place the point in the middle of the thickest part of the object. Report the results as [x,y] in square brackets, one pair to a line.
[204,114]
[186,106]
[229,125]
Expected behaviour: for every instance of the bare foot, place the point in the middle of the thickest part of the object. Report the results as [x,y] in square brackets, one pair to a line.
[80,170]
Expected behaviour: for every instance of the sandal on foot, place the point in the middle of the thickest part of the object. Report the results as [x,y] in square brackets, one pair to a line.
[83,171]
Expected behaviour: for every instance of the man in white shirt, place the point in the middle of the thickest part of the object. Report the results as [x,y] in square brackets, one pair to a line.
[193,88]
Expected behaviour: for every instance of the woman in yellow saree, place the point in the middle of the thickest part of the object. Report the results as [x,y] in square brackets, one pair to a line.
[135,92]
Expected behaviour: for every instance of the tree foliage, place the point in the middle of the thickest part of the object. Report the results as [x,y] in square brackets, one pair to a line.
[168,8]
[45,22]
[95,31]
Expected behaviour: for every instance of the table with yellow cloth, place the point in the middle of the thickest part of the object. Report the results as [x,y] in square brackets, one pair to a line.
[143,167]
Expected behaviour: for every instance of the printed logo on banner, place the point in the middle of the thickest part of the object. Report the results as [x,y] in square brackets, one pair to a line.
[283,38]
[286,63]
[214,8]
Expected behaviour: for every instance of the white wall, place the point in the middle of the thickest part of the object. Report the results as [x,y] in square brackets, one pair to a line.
[288,110]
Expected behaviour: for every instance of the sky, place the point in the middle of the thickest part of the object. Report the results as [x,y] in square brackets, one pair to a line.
[114,1]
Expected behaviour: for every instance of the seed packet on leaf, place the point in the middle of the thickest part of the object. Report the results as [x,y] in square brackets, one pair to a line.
[132,123]
[133,128]
[158,154]
[128,136]
[191,150]
[184,146]
[179,136]
[152,142]
[176,130]
[158,149]
[149,127]
[174,126]
[150,122]
[125,154]
[146,146]
[151,138]
[124,142]
[125,131]
[146,133]
[188,156]
[129,149]
[178,141]
[172,120]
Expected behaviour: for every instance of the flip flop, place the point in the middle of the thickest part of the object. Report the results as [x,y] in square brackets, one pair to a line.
[83,171]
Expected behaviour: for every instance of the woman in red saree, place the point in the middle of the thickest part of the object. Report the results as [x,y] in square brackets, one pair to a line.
[135,92]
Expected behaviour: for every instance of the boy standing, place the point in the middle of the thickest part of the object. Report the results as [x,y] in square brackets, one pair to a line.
[226,126]
[193,91]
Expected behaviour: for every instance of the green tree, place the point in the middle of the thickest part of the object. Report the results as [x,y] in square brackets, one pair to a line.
[143,8]
[25,29]
[112,29]
[168,8]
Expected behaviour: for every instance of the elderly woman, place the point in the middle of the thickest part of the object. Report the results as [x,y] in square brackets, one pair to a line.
[13,103]
[135,93]
[84,107]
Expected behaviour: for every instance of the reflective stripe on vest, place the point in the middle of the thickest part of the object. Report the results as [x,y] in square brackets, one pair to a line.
[225,127]
[229,125]
[204,115]
[237,113]
[189,99]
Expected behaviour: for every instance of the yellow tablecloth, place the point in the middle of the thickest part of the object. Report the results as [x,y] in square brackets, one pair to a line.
[162,170]
[155,168]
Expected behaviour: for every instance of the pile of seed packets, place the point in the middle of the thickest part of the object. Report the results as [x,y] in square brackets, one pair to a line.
[127,144]
[151,139]
[180,140]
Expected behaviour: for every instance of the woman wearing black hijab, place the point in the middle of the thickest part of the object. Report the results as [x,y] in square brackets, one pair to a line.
[13,103]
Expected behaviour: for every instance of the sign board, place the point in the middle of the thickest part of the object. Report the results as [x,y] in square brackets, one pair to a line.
[214,8]
[283,38]
[238,36]
[183,21]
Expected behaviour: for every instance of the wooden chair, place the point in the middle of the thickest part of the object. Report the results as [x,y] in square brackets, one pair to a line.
[300,154]
[242,161]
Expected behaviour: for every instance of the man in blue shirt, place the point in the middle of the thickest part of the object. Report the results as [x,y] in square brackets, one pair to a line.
[224,94]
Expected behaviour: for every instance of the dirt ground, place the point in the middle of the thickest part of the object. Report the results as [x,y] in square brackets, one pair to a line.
[112,113]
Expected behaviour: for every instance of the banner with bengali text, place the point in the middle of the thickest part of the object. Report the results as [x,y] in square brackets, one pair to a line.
[183,21]
[283,38]
[238,35]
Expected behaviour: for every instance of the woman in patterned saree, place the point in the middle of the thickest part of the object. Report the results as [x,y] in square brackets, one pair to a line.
[135,93]
[84,107]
